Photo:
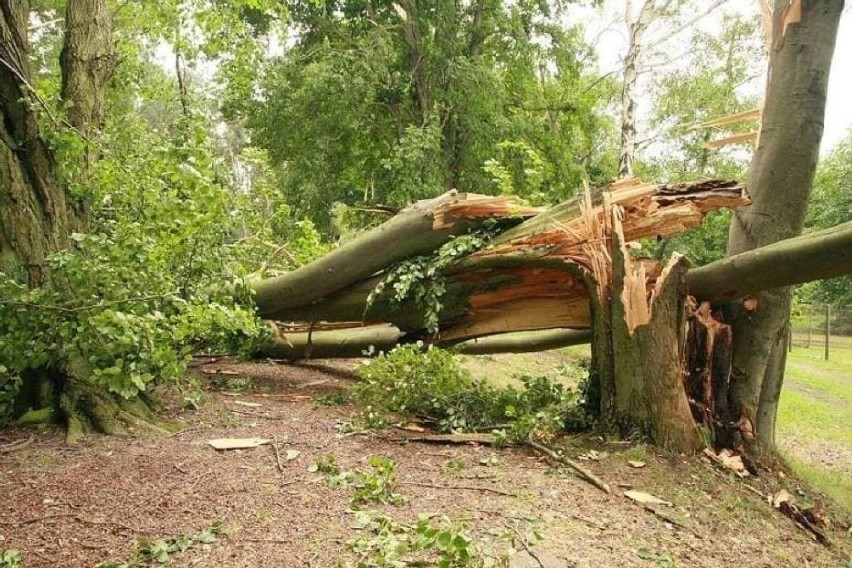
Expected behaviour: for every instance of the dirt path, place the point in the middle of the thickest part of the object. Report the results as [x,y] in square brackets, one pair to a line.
[81,505]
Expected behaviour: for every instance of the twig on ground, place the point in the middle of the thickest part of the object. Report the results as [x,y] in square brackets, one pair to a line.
[77,517]
[459,487]
[584,473]
[524,545]
[255,414]
[186,431]
[271,540]
[17,445]
[277,457]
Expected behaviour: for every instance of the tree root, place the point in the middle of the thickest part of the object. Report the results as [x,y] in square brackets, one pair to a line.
[87,408]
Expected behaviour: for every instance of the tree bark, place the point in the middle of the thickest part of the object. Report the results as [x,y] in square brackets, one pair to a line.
[628,89]
[37,214]
[418,229]
[780,182]
[642,339]
[360,341]
[815,256]
[88,62]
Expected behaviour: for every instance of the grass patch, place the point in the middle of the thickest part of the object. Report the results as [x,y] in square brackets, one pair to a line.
[836,487]
[815,410]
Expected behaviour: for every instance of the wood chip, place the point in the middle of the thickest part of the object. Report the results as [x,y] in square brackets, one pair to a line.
[646,498]
[238,443]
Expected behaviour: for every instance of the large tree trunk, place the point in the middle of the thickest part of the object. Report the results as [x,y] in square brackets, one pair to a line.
[532,277]
[780,182]
[37,214]
[540,275]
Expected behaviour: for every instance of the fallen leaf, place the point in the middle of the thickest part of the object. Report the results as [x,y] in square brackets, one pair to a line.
[646,498]
[412,427]
[292,454]
[237,443]
[636,464]
[782,497]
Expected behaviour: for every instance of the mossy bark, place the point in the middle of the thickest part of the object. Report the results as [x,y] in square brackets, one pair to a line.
[68,398]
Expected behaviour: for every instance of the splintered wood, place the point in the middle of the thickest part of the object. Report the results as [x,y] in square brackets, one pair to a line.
[580,234]
[475,206]
[544,272]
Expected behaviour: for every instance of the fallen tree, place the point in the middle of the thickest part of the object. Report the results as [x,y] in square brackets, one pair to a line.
[526,280]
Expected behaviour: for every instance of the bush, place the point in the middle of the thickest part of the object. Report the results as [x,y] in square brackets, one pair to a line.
[410,383]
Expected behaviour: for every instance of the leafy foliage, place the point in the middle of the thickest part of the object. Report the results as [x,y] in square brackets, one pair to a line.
[430,385]
[374,486]
[10,558]
[172,227]
[422,279]
[709,87]
[385,103]
[441,543]
[160,551]
[831,205]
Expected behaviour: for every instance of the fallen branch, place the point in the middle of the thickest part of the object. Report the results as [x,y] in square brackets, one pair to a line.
[524,545]
[459,487]
[16,445]
[484,439]
[584,473]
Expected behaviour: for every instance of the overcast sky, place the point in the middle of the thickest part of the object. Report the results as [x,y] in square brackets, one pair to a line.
[606,30]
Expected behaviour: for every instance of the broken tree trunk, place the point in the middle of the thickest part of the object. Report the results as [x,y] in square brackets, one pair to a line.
[553,271]
[532,277]
[355,340]
[418,229]
[642,375]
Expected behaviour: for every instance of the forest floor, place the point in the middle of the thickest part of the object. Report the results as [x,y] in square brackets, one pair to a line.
[90,503]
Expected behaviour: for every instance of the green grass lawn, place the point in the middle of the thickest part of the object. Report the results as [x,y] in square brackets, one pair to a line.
[814,428]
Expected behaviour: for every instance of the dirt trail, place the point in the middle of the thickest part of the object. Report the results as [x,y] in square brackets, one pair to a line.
[81,505]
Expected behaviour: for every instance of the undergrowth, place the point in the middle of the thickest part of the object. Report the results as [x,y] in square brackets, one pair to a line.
[10,558]
[160,551]
[387,542]
[432,387]
[376,485]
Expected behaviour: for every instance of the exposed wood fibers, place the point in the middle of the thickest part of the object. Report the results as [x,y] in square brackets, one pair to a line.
[475,206]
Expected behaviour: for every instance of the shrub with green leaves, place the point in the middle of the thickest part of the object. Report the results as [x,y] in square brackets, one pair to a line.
[10,558]
[160,551]
[160,271]
[429,542]
[431,386]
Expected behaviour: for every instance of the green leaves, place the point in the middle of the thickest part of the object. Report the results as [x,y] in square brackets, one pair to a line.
[10,558]
[422,279]
[430,385]
[430,542]
[161,551]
